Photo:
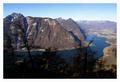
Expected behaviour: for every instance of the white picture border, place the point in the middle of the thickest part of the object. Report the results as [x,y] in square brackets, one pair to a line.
[59,1]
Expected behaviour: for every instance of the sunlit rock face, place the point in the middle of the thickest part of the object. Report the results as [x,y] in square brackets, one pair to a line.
[51,34]
[109,57]
[41,32]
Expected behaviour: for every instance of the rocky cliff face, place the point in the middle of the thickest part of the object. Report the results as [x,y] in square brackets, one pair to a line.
[109,56]
[39,32]
[108,61]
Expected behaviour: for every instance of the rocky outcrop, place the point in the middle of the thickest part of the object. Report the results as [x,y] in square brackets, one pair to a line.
[109,59]
[109,56]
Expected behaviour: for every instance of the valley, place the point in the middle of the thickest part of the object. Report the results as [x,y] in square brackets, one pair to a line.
[59,47]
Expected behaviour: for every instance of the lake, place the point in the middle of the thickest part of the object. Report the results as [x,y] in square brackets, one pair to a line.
[98,44]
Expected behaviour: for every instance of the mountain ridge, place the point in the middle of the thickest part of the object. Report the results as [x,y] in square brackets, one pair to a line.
[39,32]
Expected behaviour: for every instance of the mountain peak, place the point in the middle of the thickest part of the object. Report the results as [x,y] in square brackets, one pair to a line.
[70,19]
[60,18]
[16,14]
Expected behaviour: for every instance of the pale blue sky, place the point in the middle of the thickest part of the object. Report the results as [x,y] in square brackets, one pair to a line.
[81,11]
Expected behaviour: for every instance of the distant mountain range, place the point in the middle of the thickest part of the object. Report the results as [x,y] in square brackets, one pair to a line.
[98,25]
[41,32]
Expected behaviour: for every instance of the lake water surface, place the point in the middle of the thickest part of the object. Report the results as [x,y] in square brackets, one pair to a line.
[98,45]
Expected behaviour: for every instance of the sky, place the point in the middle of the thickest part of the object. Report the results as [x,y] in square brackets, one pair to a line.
[95,11]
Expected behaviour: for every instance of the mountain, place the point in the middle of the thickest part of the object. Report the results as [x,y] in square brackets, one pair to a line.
[49,34]
[98,25]
[72,26]
[40,32]
[15,26]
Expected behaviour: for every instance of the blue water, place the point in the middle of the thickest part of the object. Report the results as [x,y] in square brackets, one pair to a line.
[98,44]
